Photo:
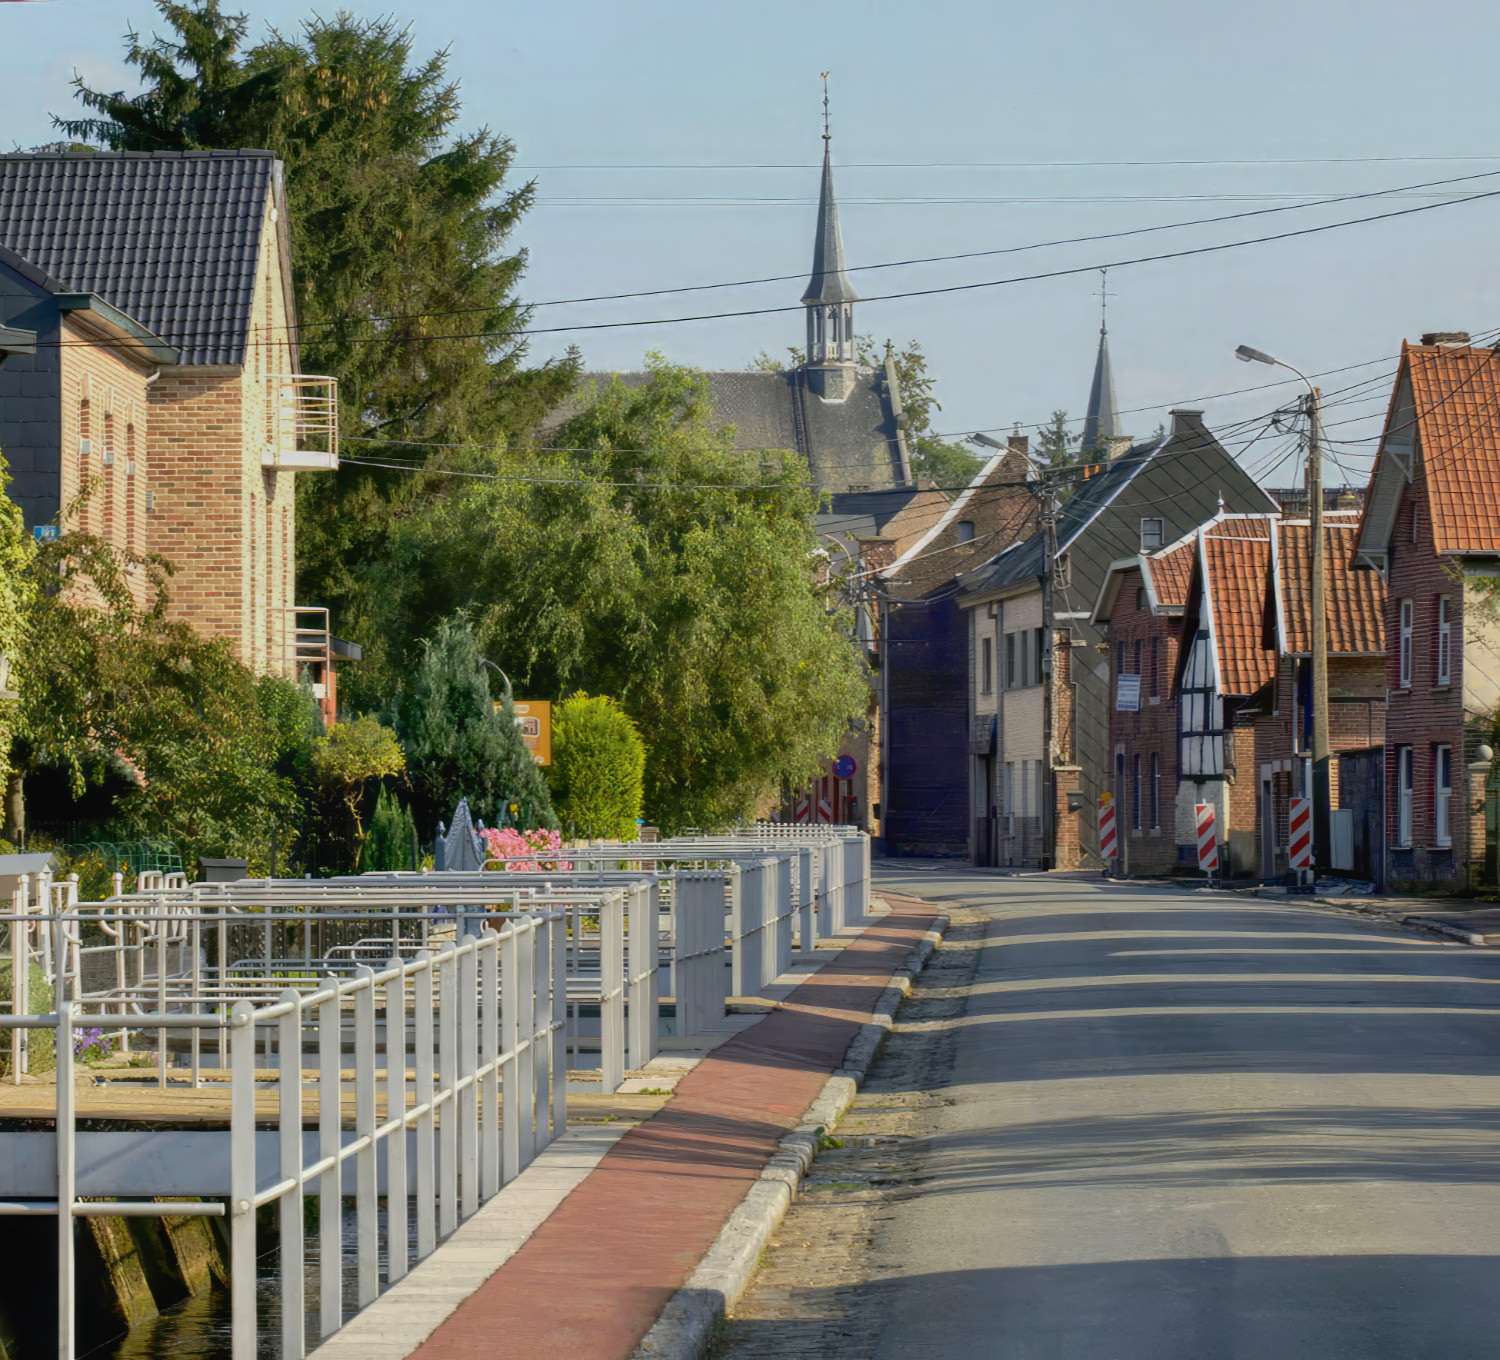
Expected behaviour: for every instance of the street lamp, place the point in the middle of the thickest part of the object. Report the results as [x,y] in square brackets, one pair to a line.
[1322,789]
[485,662]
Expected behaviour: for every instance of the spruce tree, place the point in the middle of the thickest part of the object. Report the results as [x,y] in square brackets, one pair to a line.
[461,743]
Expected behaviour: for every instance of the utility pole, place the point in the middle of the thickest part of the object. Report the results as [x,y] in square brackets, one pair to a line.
[1047,495]
[1322,789]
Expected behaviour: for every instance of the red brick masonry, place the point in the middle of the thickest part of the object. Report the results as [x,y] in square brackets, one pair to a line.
[594,1277]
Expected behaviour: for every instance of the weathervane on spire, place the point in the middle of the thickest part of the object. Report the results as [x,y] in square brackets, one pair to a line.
[1104,296]
[827,135]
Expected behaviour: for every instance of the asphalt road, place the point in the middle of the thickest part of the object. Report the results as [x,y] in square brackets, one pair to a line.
[1202,1127]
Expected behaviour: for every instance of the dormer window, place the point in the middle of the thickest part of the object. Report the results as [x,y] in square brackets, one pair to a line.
[1151,535]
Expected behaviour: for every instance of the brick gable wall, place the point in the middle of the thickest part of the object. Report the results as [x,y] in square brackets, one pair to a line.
[224,520]
[1151,847]
[104,398]
[1424,714]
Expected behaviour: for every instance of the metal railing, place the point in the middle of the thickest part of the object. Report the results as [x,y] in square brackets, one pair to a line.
[304,424]
[457,1080]
[236,932]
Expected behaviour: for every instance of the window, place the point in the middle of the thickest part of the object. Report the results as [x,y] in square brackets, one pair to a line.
[1151,534]
[1442,794]
[1403,796]
[1155,791]
[1139,643]
[1405,655]
[1140,597]
[1010,661]
[966,531]
[1036,657]
[1135,793]
[987,666]
[1155,671]
[1444,646]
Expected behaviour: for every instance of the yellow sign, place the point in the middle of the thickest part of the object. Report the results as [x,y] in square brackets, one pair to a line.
[534,718]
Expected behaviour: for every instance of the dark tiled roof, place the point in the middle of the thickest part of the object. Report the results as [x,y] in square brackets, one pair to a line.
[1079,511]
[849,445]
[170,238]
[1355,600]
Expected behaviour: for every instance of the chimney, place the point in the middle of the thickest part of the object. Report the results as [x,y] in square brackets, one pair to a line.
[1116,446]
[1019,443]
[1183,420]
[1447,339]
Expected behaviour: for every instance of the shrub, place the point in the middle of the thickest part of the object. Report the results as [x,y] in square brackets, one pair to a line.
[500,842]
[39,1001]
[598,767]
[392,834]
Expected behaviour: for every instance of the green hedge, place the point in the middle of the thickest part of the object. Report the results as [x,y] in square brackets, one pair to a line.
[39,999]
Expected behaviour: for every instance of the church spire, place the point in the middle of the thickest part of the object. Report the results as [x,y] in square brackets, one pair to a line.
[1101,423]
[829,296]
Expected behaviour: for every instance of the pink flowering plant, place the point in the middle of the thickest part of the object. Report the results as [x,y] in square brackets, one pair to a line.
[542,849]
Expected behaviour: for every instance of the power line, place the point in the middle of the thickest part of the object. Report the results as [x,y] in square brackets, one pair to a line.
[1000,165]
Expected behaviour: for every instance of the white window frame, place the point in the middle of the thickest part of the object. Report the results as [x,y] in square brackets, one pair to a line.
[1442,795]
[1158,532]
[1404,655]
[987,665]
[1444,642]
[1403,797]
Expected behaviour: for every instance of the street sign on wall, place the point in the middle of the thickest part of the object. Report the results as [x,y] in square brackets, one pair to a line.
[844,767]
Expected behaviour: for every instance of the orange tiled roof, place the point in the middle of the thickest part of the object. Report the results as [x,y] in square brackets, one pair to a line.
[1171,570]
[1355,599]
[1456,392]
[1238,557]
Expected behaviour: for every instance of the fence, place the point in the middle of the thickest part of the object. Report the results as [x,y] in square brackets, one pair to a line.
[229,934]
[469,1029]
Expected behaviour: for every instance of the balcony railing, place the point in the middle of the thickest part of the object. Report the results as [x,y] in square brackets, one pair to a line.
[304,424]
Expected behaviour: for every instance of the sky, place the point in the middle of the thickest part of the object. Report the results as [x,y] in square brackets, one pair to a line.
[676,144]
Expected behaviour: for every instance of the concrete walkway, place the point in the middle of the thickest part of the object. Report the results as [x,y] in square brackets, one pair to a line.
[590,1281]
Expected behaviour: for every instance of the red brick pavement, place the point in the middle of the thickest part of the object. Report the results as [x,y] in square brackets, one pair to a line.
[592,1279]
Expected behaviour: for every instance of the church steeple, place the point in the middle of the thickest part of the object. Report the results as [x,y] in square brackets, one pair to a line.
[829,296]
[1101,423]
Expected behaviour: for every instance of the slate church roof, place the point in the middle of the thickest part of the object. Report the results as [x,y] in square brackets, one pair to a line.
[172,238]
[850,445]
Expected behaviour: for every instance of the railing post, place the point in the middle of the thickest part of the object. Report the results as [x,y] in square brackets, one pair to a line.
[366,1186]
[289,1139]
[447,1018]
[422,1040]
[510,1080]
[330,1191]
[466,1099]
[558,991]
[489,1057]
[397,1248]
[242,1182]
[66,1173]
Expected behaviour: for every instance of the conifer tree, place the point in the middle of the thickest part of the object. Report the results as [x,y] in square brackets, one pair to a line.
[460,743]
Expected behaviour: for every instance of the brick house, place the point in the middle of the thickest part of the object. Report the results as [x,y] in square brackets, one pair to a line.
[1139,611]
[1038,761]
[1227,608]
[1430,531]
[167,379]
